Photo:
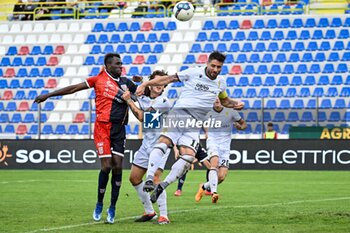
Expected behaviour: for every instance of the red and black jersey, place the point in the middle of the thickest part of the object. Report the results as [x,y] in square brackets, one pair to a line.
[110,107]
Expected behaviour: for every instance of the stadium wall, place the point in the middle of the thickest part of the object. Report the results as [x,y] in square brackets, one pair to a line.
[247,154]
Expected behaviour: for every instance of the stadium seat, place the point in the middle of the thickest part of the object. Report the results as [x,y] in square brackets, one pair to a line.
[22,72]
[345,92]
[24,50]
[159,26]
[323,80]
[318,92]
[263,93]
[334,117]
[279,117]
[202,36]
[140,38]
[146,26]
[208,48]
[338,45]
[135,26]
[208,25]
[202,58]
[339,104]
[9,129]
[48,50]
[27,83]
[330,34]
[47,129]
[8,95]
[145,71]
[158,48]
[32,94]
[271,104]
[344,34]
[152,59]
[172,94]
[256,104]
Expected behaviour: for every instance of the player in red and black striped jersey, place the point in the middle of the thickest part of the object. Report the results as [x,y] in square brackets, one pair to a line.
[109,131]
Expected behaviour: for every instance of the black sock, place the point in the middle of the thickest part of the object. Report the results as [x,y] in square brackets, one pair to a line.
[208,175]
[102,184]
[181,181]
[116,183]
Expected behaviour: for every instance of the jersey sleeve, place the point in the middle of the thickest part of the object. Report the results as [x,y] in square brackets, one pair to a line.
[185,74]
[235,115]
[162,104]
[131,86]
[91,81]
[223,93]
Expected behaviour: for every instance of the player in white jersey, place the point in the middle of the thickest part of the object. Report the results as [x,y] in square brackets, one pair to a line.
[201,87]
[218,145]
[152,100]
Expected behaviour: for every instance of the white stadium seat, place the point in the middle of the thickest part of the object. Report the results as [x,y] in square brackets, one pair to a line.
[43,39]
[67,117]
[27,27]
[54,117]
[38,27]
[78,60]
[55,39]
[67,38]
[65,60]
[177,36]
[61,106]
[72,49]
[31,39]
[79,39]
[50,27]
[71,71]
[170,48]
[183,48]
[164,59]
[19,39]
[15,28]
[4,28]
[7,39]
[86,27]
[84,49]
[74,27]
[62,27]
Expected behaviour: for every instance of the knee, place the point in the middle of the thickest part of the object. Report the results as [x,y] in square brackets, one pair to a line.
[221,179]
[106,168]
[134,180]
[156,178]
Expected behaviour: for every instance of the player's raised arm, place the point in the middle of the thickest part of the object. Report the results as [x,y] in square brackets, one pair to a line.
[230,103]
[63,91]
[135,110]
[157,81]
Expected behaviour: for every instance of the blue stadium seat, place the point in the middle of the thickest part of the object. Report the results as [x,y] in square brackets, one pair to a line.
[91,39]
[256,81]
[233,24]
[241,58]
[337,80]
[127,60]
[208,25]
[256,104]
[331,92]
[46,72]
[122,27]
[330,34]
[333,57]
[230,82]
[320,57]
[27,83]
[146,48]
[267,116]
[58,72]
[208,48]
[311,104]
[277,92]
[32,94]
[336,22]
[284,104]
[296,81]
[172,94]
[47,129]
[12,50]
[90,60]
[286,46]
[247,47]
[29,61]
[252,117]
[269,81]
[304,92]
[237,93]
[84,130]
[14,84]
[291,92]
[121,48]
[260,47]
[267,58]
[302,69]
[263,93]
[60,129]
[339,104]
[272,23]
[227,36]
[323,23]
[108,49]
[92,95]
[310,80]
[243,81]
[249,69]
[72,130]
[347,117]
[342,68]
[291,35]
[283,81]
[11,106]
[298,104]
[17,61]
[275,69]
[115,38]
[158,48]
[4,118]
[345,92]
[152,59]
[338,45]
[254,58]
[202,36]
[310,22]
[159,26]
[279,117]
[318,92]
[273,46]
[334,117]
[253,35]
[196,48]
[48,50]
[323,80]
[152,37]
[22,72]
[251,93]
[94,71]
[344,34]
[240,36]
[307,57]
[134,70]
[259,23]
[265,35]
[221,25]
[145,71]
[222,48]
[278,35]
[16,118]
[171,26]
[234,47]
[304,35]
[325,104]
[307,117]
[140,38]
[281,57]
[110,27]
[96,49]
[135,26]
[48,106]
[293,117]
[3,84]
[128,38]
[9,129]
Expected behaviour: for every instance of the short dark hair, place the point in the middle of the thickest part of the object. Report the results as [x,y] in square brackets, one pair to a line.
[216,55]
[154,73]
[109,57]
[270,124]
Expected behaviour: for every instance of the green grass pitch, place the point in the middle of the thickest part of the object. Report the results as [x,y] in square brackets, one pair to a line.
[250,201]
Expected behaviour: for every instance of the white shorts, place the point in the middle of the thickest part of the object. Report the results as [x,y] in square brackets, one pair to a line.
[219,149]
[182,136]
[142,157]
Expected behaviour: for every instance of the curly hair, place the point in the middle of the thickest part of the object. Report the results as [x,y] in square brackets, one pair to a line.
[152,76]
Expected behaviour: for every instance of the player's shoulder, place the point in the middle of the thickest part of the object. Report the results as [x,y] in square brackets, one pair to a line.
[162,100]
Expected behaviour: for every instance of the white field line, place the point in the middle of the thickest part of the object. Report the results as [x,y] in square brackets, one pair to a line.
[199,209]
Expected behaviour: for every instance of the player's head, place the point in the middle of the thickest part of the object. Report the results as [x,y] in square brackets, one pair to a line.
[270,126]
[113,64]
[155,90]
[214,65]
[217,105]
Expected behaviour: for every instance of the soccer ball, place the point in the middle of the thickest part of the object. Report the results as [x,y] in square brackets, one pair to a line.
[183,11]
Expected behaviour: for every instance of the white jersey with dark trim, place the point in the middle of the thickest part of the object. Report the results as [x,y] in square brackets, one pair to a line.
[199,92]
[227,117]
[160,103]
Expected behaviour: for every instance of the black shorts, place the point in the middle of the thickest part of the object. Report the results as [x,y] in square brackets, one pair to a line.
[201,153]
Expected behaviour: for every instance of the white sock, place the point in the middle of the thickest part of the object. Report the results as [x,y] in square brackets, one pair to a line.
[177,170]
[206,185]
[213,180]
[145,198]
[154,161]
[162,204]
